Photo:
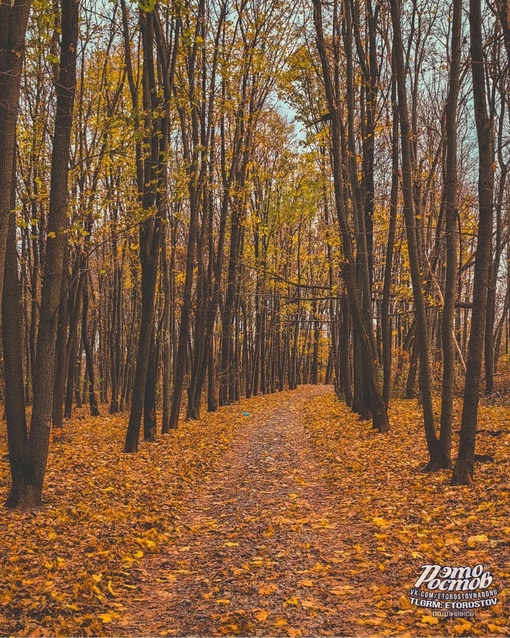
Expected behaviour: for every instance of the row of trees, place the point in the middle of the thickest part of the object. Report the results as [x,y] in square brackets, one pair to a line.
[349,55]
[169,235]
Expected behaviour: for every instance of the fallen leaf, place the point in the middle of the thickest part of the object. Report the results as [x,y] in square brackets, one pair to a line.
[430,620]
[261,615]
[473,541]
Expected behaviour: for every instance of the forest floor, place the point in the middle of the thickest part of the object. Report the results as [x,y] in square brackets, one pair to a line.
[282,515]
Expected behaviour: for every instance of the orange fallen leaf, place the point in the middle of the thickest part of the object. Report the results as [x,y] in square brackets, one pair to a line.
[306,583]
[261,615]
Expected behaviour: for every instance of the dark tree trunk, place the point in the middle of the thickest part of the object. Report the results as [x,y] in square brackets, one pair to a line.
[386,324]
[151,231]
[29,492]
[379,411]
[61,363]
[115,336]
[14,400]
[422,334]
[443,459]
[194,187]
[13,26]
[464,465]
[94,407]
[490,356]
[149,406]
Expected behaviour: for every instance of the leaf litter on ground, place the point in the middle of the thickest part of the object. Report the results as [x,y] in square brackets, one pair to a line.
[113,523]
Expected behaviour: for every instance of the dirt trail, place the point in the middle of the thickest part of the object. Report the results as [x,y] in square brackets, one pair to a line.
[260,548]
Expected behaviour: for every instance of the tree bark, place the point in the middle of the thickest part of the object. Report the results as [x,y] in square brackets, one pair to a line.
[13,26]
[365,331]
[465,463]
[443,459]
[27,491]
[422,333]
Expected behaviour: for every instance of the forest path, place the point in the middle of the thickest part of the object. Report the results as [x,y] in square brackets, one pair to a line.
[261,544]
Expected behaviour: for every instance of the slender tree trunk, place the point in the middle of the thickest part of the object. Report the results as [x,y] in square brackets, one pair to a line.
[14,400]
[151,231]
[490,356]
[465,463]
[149,406]
[27,492]
[61,365]
[443,459]
[13,26]
[386,324]
[94,407]
[422,333]
[379,411]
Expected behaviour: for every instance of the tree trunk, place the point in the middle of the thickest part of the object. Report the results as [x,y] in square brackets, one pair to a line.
[151,231]
[443,459]
[94,408]
[149,405]
[14,400]
[386,324]
[422,334]
[28,493]
[13,26]
[464,465]
[379,411]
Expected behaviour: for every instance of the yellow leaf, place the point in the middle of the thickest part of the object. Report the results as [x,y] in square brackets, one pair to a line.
[291,602]
[268,589]
[229,544]
[341,591]
[381,522]
[404,602]
[281,622]
[261,615]
[460,629]
[306,583]
[138,554]
[111,590]
[229,629]
[223,601]
[474,540]
[430,620]
[105,618]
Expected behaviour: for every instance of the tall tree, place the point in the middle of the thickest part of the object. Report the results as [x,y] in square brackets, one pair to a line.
[28,471]
[150,172]
[452,243]
[422,332]
[465,463]
[13,26]
[364,327]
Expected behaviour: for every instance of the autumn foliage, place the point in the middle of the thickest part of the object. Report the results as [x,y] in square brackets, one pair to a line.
[104,544]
